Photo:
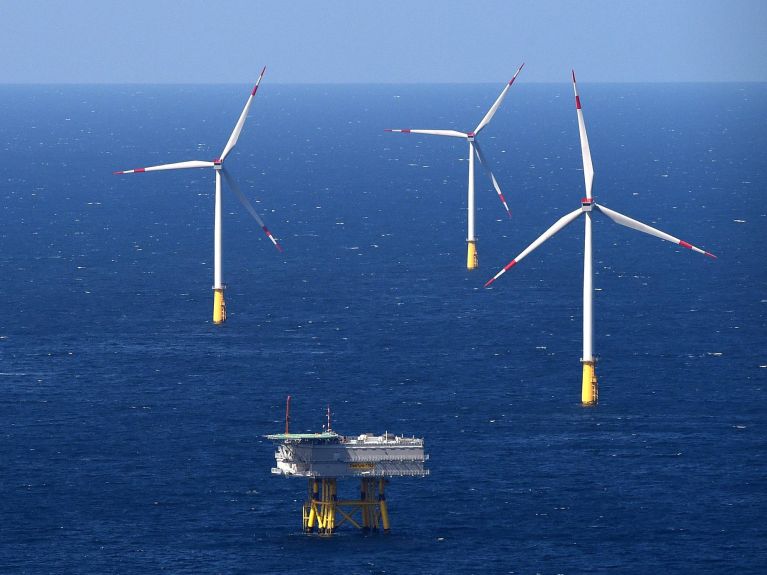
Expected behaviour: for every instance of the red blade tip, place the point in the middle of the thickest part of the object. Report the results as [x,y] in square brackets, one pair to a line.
[516,74]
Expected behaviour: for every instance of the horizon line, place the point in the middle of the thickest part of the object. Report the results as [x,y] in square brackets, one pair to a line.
[374,83]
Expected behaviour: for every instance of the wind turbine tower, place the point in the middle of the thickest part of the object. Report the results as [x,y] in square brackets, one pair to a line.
[219,305]
[589,389]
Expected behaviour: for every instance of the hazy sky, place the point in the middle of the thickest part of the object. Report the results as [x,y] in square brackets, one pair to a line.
[213,41]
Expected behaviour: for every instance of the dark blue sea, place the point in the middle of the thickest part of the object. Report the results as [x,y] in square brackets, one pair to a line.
[132,429]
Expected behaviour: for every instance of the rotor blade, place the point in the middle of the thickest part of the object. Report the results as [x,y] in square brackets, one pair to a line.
[560,223]
[453,133]
[639,226]
[485,165]
[176,166]
[241,122]
[248,206]
[494,108]
[588,168]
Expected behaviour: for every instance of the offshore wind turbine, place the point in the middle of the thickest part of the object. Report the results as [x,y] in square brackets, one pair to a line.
[474,149]
[219,305]
[589,390]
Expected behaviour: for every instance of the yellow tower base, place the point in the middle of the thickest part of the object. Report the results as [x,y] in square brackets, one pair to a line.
[324,512]
[472,262]
[589,388]
[219,306]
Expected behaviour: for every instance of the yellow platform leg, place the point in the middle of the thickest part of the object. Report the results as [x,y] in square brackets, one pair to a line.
[382,505]
[328,507]
[323,511]
[331,523]
[589,389]
[364,508]
[320,506]
[472,262]
[372,504]
[219,306]
[310,508]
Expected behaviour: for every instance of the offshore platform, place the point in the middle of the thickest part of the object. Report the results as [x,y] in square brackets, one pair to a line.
[325,457]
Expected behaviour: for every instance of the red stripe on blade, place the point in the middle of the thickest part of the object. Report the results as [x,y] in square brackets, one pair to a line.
[516,74]
[578,102]
[684,244]
[712,256]
[139,170]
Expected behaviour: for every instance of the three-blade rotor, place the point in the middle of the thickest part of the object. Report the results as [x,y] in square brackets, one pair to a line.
[471,137]
[218,164]
[588,205]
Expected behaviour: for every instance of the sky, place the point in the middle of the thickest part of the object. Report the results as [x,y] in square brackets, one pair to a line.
[384,41]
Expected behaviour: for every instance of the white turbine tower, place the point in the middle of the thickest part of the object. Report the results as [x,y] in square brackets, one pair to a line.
[474,148]
[589,392]
[219,306]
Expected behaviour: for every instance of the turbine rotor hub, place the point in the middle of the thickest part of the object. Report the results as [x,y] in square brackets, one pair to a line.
[218,164]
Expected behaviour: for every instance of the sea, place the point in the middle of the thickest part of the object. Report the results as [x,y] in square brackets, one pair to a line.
[132,428]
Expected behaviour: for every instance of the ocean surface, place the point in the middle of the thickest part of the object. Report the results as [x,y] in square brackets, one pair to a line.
[132,436]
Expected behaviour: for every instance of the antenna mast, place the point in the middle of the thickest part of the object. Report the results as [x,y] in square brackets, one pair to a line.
[287,416]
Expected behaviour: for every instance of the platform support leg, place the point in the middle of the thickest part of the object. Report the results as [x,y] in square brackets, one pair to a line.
[323,507]
[326,507]
[310,507]
[382,505]
[332,506]
[364,508]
